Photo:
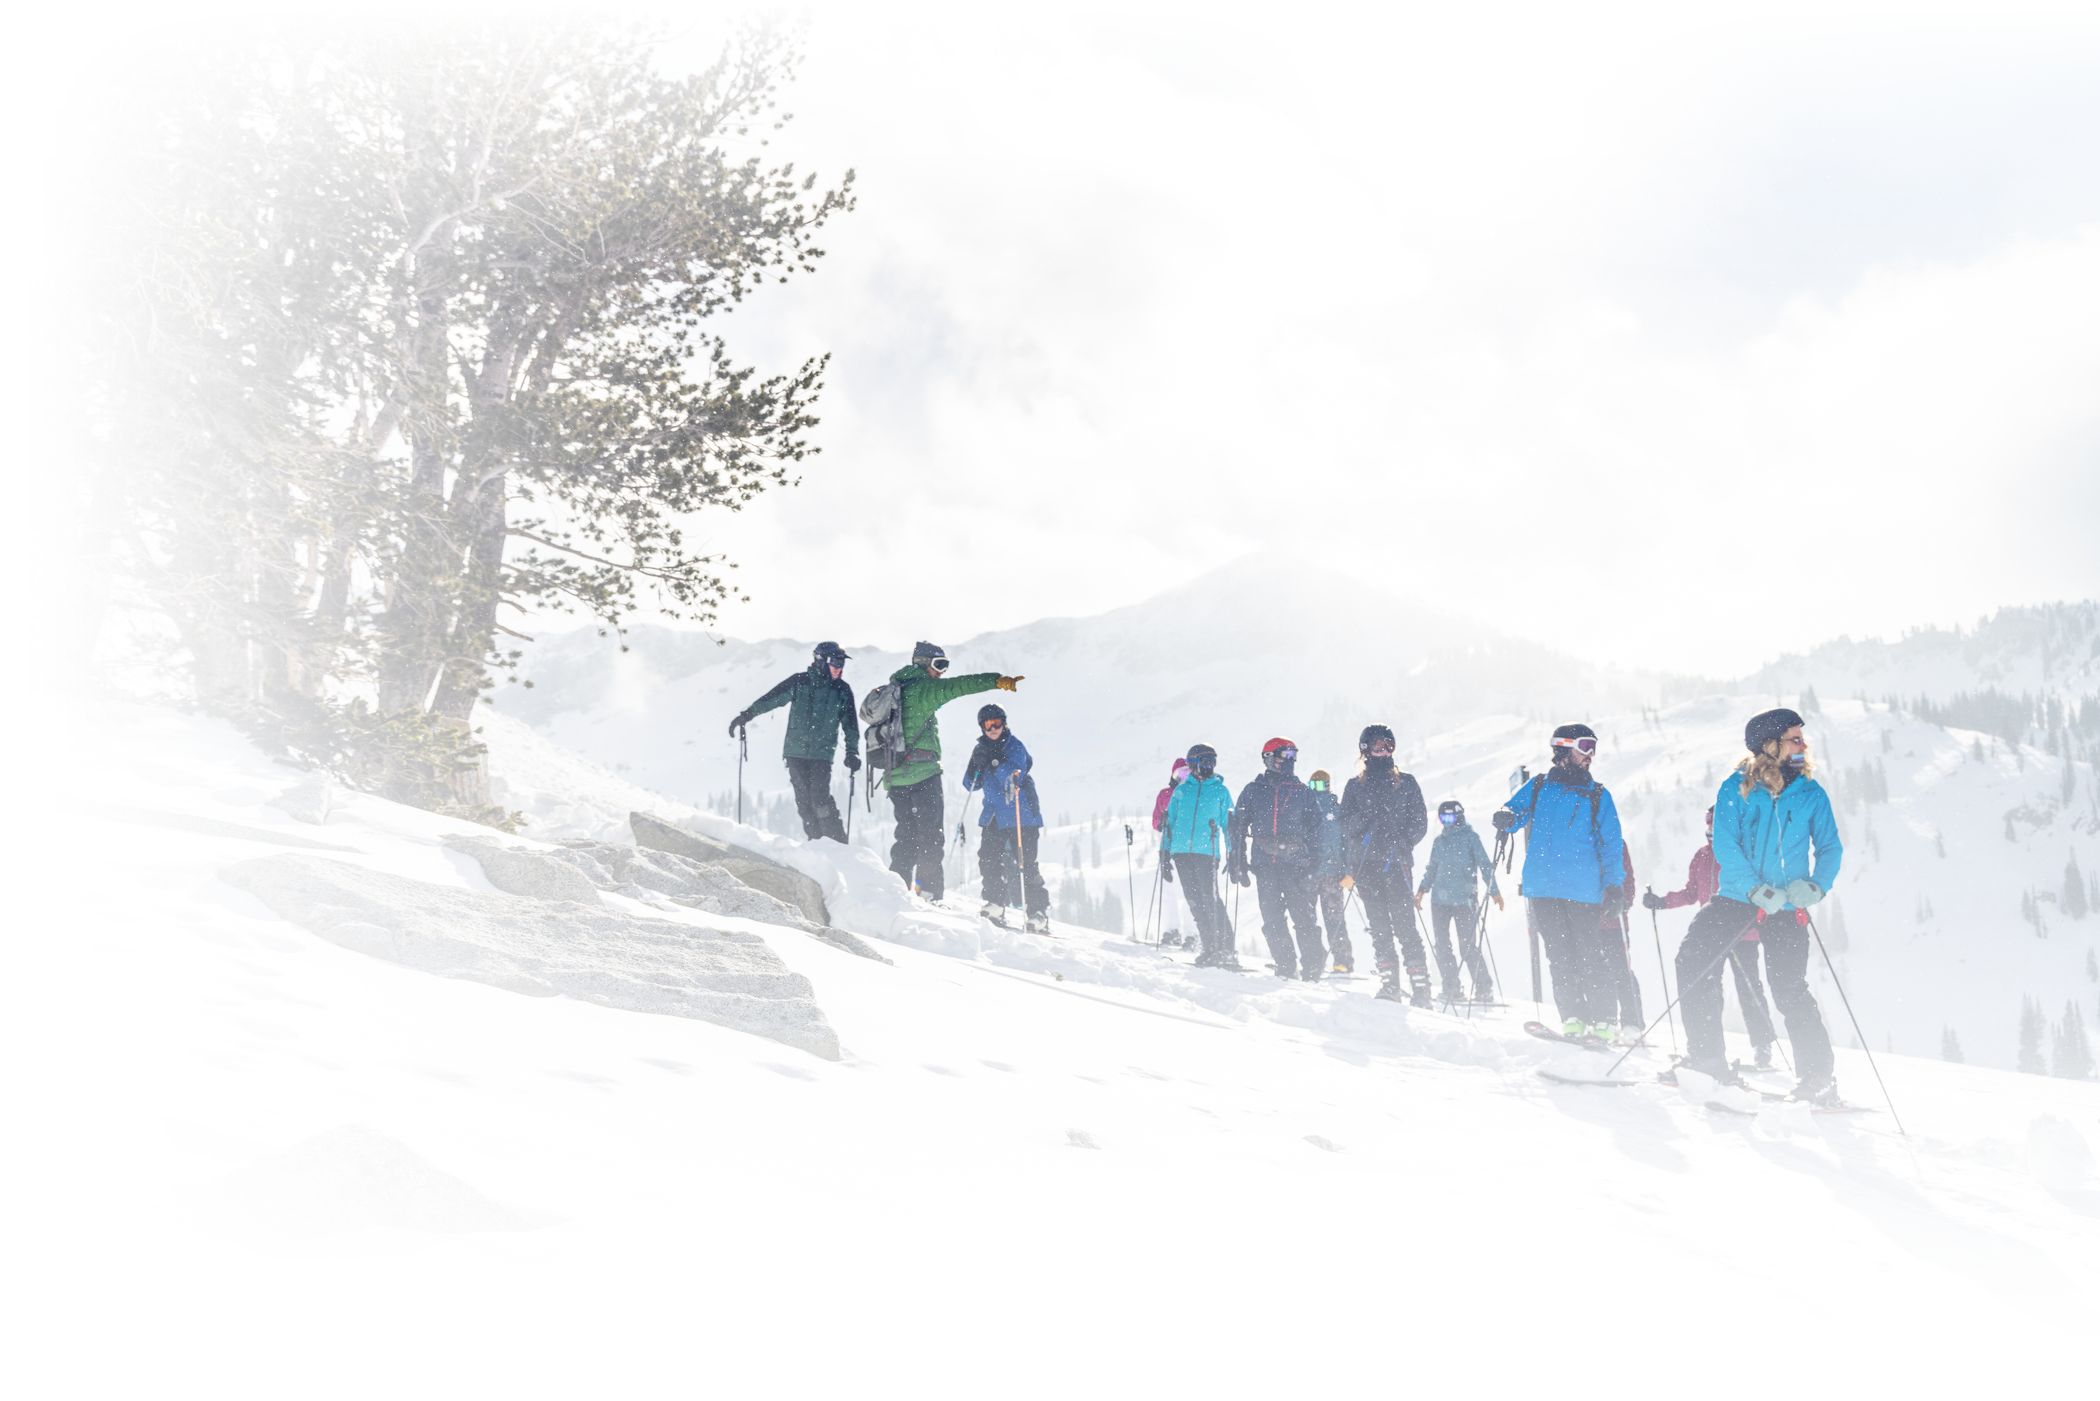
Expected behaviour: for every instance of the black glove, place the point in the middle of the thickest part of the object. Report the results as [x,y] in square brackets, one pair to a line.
[1239,873]
[738,724]
[1503,819]
[853,763]
[1653,901]
[1614,899]
[1166,868]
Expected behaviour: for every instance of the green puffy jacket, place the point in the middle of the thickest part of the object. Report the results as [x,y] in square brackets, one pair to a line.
[819,710]
[923,697]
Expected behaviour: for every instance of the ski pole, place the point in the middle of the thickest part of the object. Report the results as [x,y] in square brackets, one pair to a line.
[1838,982]
[1480,936]
[1130,875]
[1662,969]
[1711,969]
[851,776]
[1020,886]
[743,749]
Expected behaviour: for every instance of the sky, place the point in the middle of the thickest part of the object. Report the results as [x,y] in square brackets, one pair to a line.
[1677,339]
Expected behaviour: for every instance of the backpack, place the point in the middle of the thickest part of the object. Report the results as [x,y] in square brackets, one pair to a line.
[882,709]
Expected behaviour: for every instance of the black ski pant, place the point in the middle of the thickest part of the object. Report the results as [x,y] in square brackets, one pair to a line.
[1389,908]
[1750,991]
[811,780]
[1629,990]
[1286,900]
[1334,914]
[999,854]
[1716,931]
[1198,878]
[1465,919]
[916,853]
[1586,957]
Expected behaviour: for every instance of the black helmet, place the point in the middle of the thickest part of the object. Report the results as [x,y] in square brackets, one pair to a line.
[1452,806]
[989,712]
[1203,760]
[1372,733]
[830,654]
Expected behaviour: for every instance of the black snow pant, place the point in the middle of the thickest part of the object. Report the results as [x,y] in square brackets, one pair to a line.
[916,853]
[1282,893]
[1586,958]
[1198,878]
[1750,991]
[811,779]
[1465,919]
[997,856]
[1629,989]
[1389,908]
[1717,930]
[1334,914]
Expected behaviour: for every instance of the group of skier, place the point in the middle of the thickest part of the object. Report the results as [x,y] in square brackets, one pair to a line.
[1772,852]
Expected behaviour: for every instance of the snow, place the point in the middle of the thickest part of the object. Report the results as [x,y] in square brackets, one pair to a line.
[252,1161]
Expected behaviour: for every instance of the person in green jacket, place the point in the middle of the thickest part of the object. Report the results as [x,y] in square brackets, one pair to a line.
[1448,880]
[914,783]
[820,708]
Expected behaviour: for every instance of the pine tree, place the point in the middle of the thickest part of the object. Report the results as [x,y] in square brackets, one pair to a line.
[1810,706]
[1950,1046]
[2074,889]
[2010,834]
[2073,1053]
[2032,1025]
[2092,967]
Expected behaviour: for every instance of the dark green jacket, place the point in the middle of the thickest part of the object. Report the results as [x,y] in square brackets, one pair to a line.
[924,696]
[819,710]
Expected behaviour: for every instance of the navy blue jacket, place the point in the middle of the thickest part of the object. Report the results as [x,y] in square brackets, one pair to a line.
[1278,813]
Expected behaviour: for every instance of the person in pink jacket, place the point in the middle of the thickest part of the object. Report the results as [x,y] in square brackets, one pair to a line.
[1701,883]
[1169,908]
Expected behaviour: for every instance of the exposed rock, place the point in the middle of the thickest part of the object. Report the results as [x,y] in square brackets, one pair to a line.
[516,870]
[311,799]
[545,949]
[758,872]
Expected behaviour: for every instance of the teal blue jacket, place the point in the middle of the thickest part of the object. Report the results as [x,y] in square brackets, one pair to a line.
[1763,840]
[1453,858]
[1197,818]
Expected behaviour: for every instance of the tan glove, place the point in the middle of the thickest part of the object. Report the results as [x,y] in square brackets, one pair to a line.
[1498,901]
[1009,683]
[1418,898]
[1348,882]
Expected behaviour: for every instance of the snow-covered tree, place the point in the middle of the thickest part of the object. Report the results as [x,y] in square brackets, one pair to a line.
[2071,1052]
[2073,901]
[1950,1046]
[2032,1027]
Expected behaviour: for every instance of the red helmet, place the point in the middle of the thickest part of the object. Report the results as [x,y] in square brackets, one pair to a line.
[1275,744]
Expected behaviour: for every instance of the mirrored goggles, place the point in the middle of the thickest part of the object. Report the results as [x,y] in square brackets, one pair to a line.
[1584,745]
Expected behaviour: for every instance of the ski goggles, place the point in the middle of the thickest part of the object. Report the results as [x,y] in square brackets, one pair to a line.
[1285,753]
[992,726]
[1447,818]
[1318,785]
[1584,745]
[937,663]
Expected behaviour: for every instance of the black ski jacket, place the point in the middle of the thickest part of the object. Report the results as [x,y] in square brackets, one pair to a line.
[1278,813]
[1383,819]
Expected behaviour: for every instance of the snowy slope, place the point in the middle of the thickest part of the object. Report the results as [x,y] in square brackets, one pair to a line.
[262,1164]
[1929,914]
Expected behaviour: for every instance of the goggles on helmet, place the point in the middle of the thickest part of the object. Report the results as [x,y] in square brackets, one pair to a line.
[1585,744]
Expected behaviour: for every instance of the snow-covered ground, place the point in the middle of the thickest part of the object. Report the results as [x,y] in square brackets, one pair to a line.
[258,1163]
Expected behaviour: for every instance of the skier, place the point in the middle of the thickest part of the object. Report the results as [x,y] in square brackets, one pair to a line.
[1010,824]
[820,705]
[1277,813]
[1447,881]
[1701,882]
[1331,876]
[1574,866]
[1776,843]
[1383,818]
[914,784]
[1192,839]
[1169,923]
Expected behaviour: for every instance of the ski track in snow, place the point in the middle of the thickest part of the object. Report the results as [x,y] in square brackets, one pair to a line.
[1040,1167]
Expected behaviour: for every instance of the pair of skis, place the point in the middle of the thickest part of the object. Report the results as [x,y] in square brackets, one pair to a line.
[1599,1044]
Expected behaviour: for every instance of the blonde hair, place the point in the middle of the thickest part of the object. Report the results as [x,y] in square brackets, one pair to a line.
[1766,769]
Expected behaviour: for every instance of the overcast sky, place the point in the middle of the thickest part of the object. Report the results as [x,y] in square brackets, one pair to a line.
[1685,340]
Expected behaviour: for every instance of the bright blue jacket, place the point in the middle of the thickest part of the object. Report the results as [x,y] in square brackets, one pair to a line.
[1197,818]
[1763,840]
[1575,850]
[1002,784]
[1331,864]
[1453,858]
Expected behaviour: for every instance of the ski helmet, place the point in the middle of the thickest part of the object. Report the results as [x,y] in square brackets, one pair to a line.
[1770,725]
[1372,734]
[1450,812]
[1203,760]
[929,654]
[830,654]
[1278,755]
[989,712]
[1570,738]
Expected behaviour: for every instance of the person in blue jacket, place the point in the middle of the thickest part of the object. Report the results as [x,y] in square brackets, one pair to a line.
[1776,842]
[1010,827]
[1574,863]
[1454,857]
[1330,876]
[1191,844]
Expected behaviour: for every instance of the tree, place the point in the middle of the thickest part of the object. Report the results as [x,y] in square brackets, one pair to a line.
[2071,1055]
[429,336]
[1950,1046]
[2032,1025]
[2074,889]
[2092,967]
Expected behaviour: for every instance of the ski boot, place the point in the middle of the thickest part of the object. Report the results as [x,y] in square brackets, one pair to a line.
[1720,1073]
[1418,983]
[1764,1057]
[1388,989]
[1819,1090]
[1171,939]
[1627,1034]
[1343,968]
[995,913]
[1038,924]
[1229,962]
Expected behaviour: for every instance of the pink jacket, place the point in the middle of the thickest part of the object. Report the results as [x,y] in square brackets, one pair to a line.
[1701,883]
[1159,804]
